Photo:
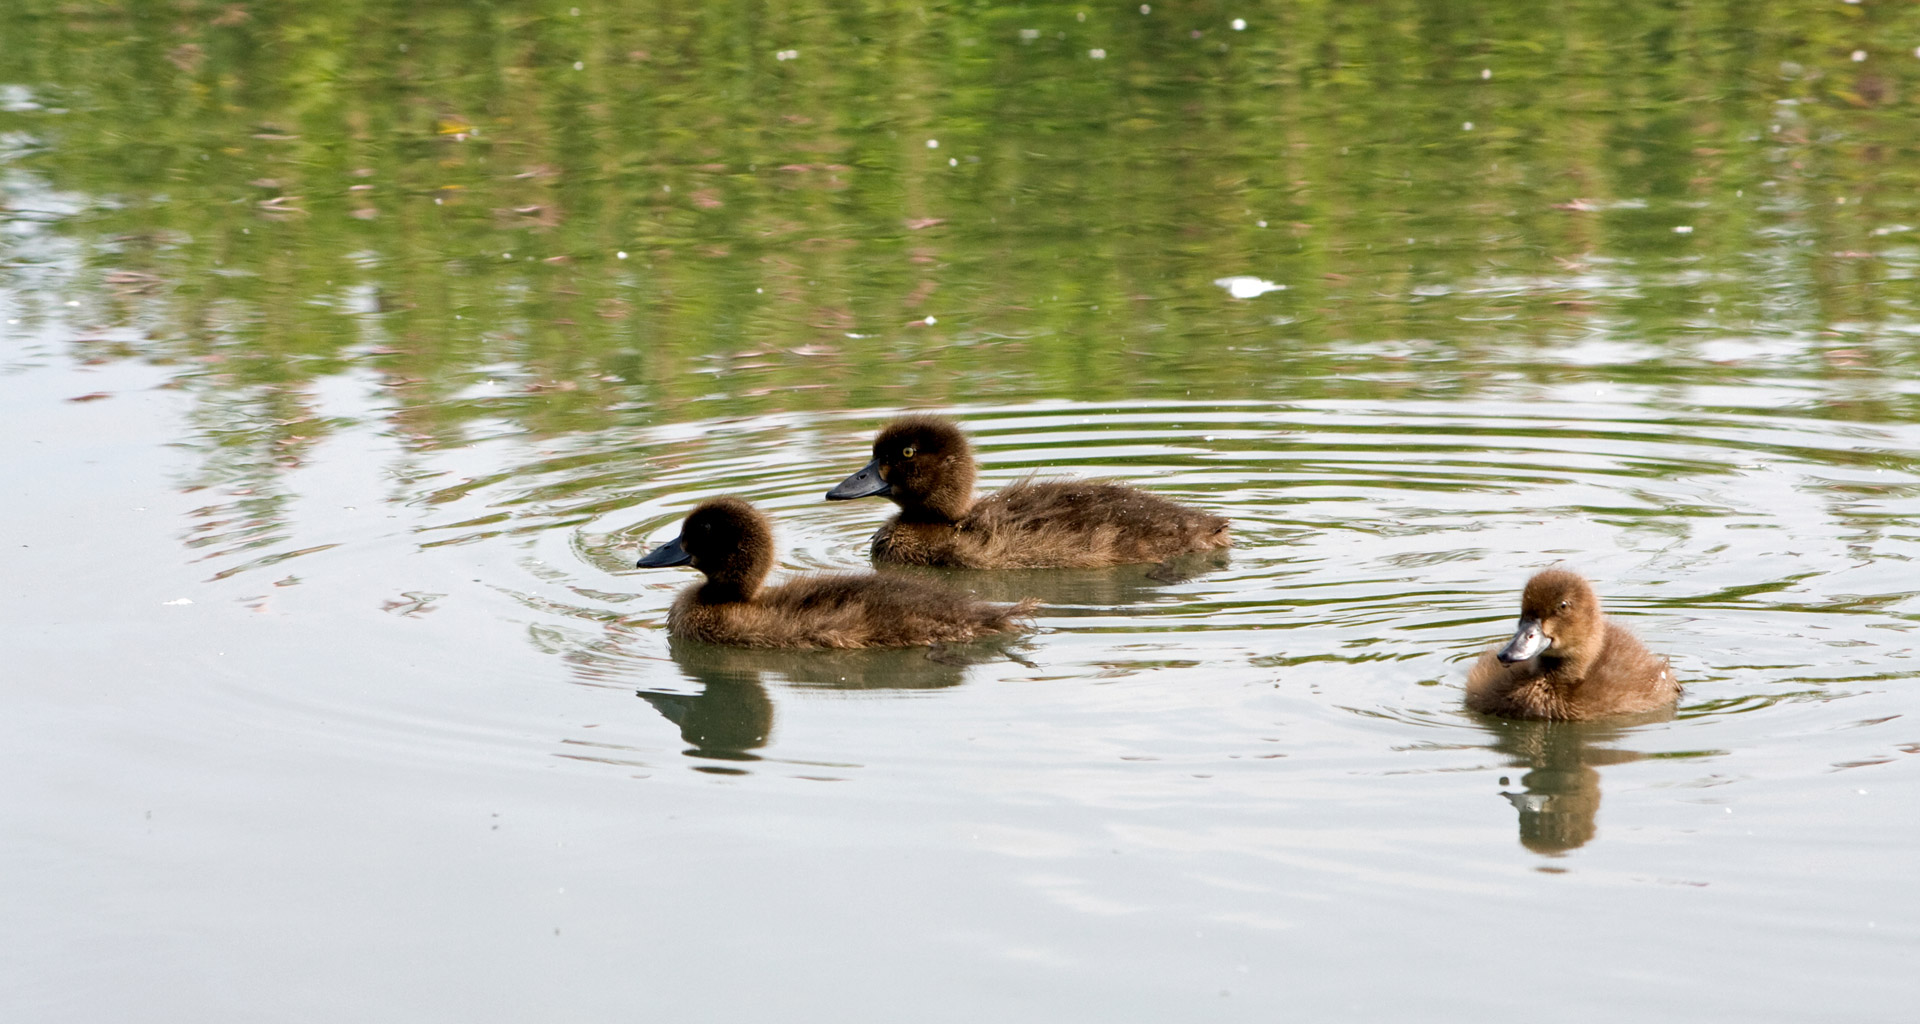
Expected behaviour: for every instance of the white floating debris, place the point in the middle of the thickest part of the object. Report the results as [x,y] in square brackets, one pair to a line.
[620,255]
[1028,35]
[933,143]
[1466,126]
[951,162]
[1486,73]
[1683,229]
[1247,286]
[1261,223]
[176,602]
[1097,53]
[1859,55]
[787,55]
[931,321]
[1146,8]
[1239,24]
[579,65]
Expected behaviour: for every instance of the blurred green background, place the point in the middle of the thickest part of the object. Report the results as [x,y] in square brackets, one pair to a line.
[278,190]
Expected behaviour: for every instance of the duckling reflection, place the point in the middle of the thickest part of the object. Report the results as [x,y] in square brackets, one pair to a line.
[1068,592]
[729,718]
[879,668]
[1560,795]
[732,715]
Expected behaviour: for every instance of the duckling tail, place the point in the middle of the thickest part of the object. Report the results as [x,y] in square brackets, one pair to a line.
[1012,616]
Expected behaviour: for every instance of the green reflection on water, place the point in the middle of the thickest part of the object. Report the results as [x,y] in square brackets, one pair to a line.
[269,194]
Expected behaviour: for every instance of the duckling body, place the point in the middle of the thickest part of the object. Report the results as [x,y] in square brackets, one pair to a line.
[732,543]
[925,465]
[1567,662]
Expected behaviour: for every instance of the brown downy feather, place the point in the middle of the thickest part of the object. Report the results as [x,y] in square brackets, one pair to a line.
[1589,668]
[732,543]
[928,466]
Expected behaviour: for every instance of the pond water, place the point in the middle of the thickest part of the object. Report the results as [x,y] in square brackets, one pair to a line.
[352,352]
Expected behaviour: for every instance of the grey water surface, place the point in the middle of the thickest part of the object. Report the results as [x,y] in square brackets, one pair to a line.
[352,353]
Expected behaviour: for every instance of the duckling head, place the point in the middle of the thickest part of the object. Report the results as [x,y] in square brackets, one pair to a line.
[1560,619]
[728,540]
[922,463]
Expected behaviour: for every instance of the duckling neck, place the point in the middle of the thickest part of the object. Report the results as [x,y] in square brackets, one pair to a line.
[946,496]
[727,591]
[736,575]
[736,578]
[943,513]
[945,509]
[1566,668]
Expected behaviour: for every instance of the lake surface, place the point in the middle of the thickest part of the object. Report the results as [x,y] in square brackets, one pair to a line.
[352,352]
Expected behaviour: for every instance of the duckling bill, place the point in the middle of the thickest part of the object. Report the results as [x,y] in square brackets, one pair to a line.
[731,542]
[1567,661]
[925,465]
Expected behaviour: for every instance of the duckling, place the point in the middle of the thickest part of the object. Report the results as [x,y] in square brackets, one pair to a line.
[1566,662]
[925,465]
[732,543]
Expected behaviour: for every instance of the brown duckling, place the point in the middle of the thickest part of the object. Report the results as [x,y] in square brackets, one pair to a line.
[732,543]
[1566,662]
[925,465]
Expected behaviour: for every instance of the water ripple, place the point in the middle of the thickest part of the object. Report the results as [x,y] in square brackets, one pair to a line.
[1369,535]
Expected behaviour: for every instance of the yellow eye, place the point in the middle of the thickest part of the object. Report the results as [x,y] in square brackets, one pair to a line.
[907,452]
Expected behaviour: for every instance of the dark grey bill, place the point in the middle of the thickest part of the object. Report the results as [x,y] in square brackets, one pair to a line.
[864,484]
[670,553]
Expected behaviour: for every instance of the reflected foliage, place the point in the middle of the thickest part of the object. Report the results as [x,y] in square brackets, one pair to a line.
[544,220]
[272,192]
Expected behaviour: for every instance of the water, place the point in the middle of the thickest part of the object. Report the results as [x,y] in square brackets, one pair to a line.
[333,687]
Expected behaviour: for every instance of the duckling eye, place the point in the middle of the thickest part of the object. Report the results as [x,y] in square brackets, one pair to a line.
[907,452]
[1564,605]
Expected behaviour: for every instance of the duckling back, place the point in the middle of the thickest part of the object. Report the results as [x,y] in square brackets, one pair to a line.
[845,611]
[1054,524]
[925,465]
[731,543]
